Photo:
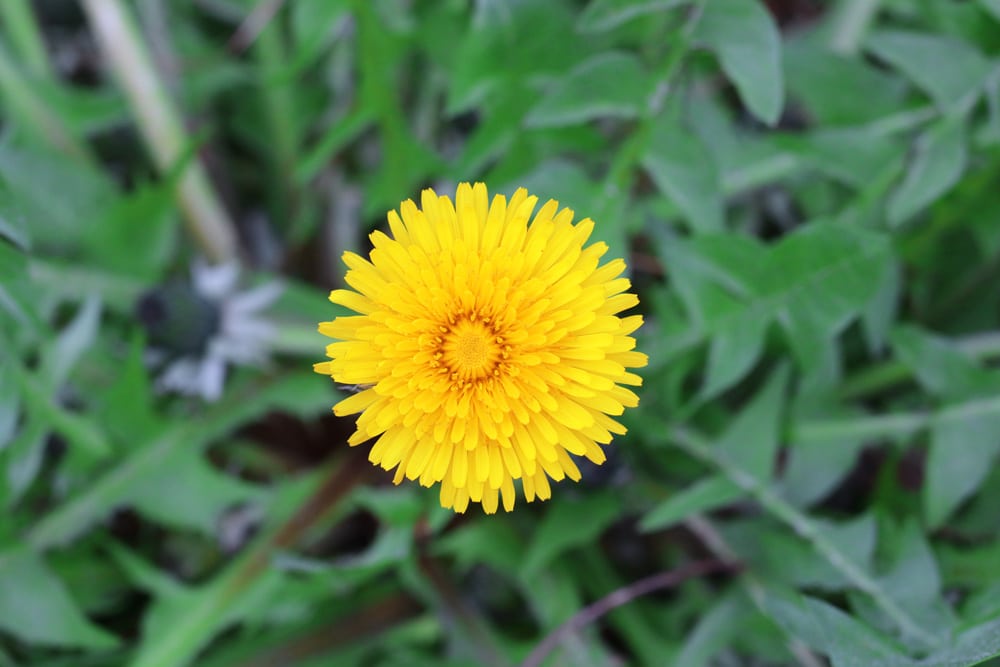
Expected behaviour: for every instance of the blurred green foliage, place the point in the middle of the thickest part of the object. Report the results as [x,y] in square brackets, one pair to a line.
[806,193]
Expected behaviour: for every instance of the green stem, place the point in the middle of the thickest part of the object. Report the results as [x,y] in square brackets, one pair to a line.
[22,28]
[161,127]
[277,98]
[697,446]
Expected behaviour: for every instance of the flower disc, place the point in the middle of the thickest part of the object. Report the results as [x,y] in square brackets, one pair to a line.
[491,349]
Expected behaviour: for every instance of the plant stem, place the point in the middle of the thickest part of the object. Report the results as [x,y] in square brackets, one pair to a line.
[22,28]
[700,448]
[160,125]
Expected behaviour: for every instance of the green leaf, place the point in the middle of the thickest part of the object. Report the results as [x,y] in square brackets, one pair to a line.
[938,163]
[852,156]
[562,530]
[601,15]
[991,6]
[962,450]
[314,25]
[75,339]
[751,439]
[777,555]
[194,495]
[817,77]
[732,354]
[713,632]
[949,70]
[119,242]
[301,393]
[607,85]
[829,630]
[915,580]
[940,366]
[972,646]
[683,169]
[10,402]
[36,607]
[490,543]
[821,278]
[814,466]
[704,496]
[814,282]
[882,311]
[492,54]
[962,453]
[744,37]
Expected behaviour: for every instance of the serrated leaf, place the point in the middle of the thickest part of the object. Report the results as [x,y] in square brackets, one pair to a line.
[601,15]
[945,68]
[814,282]
[562,529]
[703,496]
[36,607]
[685,172]
[608,85]
[937,165]
[744,37]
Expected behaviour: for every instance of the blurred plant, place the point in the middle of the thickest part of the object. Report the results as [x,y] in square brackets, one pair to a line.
[196,329]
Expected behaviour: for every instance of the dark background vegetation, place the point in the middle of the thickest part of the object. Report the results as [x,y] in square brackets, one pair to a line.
[807,196]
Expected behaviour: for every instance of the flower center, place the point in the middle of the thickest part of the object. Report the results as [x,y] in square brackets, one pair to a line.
[471,350]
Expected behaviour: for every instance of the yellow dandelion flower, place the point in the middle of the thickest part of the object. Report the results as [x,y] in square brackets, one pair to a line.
[491,348]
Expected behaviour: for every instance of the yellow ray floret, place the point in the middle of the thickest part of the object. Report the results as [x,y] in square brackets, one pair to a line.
[490,343]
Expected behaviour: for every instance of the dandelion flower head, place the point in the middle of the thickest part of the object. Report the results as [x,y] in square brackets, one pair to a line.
[490,346]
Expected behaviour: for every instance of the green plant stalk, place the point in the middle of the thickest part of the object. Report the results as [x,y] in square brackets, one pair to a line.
[22,28]
[160,125]
[34,114]
[695,445]
[277,98]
